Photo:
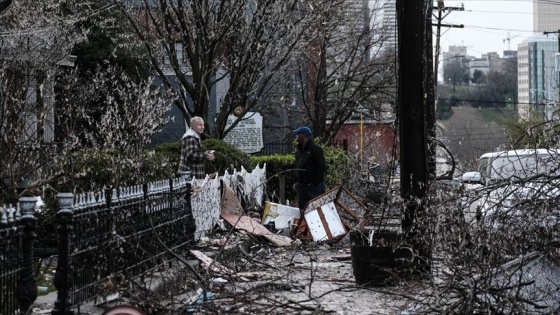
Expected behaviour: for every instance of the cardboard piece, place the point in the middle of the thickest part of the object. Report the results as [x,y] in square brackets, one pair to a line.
[230,203]
[248,224]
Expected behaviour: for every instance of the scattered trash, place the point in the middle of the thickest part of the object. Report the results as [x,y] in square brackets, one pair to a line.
[331,215]
[282,216]
[324,222]
[198,299]
[249,225]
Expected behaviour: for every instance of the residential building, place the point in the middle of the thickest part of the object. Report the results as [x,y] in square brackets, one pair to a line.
[546,16]
[537,80]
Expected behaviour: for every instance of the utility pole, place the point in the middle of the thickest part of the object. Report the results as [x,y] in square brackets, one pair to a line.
[412,108]
[4,4]
[441,10]
[557,60]
[431,78]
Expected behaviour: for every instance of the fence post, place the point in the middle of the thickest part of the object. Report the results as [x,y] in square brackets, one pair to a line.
[28,292]
[63,275]
[282,188]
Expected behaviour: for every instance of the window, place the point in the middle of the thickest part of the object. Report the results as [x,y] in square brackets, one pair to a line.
[178,54]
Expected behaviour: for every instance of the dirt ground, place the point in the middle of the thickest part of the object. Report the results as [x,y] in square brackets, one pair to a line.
[305,279]
[300,279]
[324,283]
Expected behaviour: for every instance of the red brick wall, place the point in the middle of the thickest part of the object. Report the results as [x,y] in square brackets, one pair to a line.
[377,141]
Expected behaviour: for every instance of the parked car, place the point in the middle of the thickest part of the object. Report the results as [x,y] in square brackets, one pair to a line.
[507,182]
[516,165]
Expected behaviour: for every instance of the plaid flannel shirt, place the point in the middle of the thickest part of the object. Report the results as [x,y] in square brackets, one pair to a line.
[192,157]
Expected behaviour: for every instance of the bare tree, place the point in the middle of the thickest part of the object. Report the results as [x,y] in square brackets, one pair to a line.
[455,72]
[37,40]
[345,67]
[239,47]
[495,249]
[468,136]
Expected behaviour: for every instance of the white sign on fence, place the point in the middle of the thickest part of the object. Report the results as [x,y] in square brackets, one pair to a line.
[247,135]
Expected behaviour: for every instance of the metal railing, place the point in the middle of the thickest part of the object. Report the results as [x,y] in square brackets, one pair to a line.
[112,236]
[17,283]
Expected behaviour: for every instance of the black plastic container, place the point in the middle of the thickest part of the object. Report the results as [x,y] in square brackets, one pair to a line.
[383,263]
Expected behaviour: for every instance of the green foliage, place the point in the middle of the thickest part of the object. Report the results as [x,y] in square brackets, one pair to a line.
[498,115]
[279,170]
[454,101]
[157,166]
[444,110]
[339,170]
[92,169]
[497,90]
[534,133]
[478,77]
[171,150]
[228,157]
[339,167]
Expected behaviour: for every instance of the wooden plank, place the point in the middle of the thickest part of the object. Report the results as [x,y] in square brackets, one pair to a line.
[246,223]
[279,240]
[215,266]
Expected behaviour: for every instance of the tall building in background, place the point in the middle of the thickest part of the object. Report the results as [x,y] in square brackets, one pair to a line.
[359,10]
[546,16]
[537,81]
[390,23]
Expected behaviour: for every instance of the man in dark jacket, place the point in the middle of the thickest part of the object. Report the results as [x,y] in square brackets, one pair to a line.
[310,167]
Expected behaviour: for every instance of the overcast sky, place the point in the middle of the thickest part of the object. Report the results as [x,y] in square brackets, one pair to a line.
[488,25]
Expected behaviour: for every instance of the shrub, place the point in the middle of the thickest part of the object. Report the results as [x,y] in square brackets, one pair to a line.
[339,171]
[279,171]
[172,150]
[228,157]
[339,167]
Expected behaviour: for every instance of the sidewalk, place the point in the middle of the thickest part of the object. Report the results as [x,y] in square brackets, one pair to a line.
[297,281]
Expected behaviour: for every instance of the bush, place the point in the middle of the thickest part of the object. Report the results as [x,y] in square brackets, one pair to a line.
[228,157]
[339,171]
[340,167]
[171,150]
[94,169]
[278,167]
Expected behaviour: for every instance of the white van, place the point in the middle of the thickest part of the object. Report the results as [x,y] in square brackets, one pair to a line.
[506,179]
[514,165]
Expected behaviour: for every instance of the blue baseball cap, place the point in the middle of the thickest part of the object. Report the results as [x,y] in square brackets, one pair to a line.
[302,130]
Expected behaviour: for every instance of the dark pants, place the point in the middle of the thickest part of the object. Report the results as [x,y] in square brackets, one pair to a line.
[306,193]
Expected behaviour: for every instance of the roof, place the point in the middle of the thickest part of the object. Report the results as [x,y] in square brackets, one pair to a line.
[539,37]
[520,152]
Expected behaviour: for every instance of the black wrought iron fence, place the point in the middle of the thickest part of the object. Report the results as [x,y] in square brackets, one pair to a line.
[113,236]
[17,284]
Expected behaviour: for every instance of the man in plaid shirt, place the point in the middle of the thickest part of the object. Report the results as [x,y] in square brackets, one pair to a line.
[192,157]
